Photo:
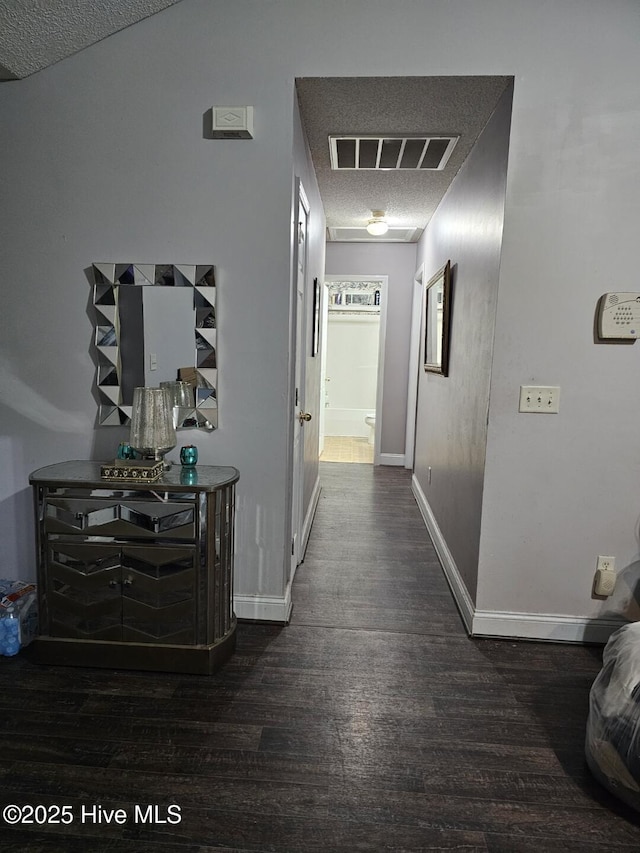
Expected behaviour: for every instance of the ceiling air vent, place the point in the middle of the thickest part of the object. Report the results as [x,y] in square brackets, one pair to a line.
[391,152]
[353,234]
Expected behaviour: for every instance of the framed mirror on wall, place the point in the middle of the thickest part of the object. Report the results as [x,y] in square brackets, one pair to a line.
[437,321]
[156,323]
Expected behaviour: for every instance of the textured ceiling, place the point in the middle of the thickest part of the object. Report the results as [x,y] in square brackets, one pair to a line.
[37,33]
[392,105]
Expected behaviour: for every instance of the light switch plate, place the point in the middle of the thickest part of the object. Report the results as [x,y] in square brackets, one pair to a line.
[544,399]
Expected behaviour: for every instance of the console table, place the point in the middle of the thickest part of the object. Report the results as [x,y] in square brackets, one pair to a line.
[135,575]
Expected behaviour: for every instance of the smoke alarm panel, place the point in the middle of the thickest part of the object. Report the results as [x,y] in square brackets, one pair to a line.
[619,316]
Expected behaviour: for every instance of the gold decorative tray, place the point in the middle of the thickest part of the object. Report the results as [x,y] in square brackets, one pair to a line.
[132,469]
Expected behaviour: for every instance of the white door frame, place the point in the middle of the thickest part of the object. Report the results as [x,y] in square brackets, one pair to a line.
[383,281]
[414,366]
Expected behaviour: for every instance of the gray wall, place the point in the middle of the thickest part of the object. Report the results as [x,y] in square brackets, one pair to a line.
[398,262]
[451,423]
[104,157]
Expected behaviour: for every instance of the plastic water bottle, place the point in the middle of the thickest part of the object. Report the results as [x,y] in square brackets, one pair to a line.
[10,633]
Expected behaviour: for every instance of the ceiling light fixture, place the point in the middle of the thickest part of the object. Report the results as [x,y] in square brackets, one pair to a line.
[377,225]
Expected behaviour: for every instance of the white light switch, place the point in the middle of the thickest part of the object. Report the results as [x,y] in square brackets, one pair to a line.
[153,361]
[540,398]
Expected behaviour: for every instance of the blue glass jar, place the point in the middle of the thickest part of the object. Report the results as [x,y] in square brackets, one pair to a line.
[125,451]
[189,455]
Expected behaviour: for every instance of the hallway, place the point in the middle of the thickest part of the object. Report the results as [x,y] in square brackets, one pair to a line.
[370,563]
[371,723]
[445,742]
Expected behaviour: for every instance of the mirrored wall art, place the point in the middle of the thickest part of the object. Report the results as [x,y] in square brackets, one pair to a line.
[156,323]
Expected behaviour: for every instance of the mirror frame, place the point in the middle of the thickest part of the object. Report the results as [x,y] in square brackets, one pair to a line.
[107,279]
[437,334]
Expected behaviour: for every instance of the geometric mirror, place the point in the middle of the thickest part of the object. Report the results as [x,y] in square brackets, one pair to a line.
[156,323]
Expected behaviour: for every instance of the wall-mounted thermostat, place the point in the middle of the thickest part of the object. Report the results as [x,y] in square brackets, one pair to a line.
[232,123]
[619,316]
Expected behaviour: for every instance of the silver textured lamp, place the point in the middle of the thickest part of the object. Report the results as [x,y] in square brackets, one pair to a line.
[152,430]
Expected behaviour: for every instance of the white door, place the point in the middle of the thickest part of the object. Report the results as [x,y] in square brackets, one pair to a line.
[300,416]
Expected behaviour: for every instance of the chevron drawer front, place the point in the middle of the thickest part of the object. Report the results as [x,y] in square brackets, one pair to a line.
[139,577]
[110,517]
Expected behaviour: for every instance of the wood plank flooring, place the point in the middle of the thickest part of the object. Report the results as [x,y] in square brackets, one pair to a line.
[371,723]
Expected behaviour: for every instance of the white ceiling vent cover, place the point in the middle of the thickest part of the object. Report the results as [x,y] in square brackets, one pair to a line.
[420,153]
[353,234]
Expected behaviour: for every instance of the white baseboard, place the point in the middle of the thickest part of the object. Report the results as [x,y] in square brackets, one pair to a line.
[520,626]
[308,520]
[543,626]
[391,459]
[263,608]
[451,573]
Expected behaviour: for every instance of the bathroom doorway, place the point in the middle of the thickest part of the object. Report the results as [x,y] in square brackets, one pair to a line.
[354,321]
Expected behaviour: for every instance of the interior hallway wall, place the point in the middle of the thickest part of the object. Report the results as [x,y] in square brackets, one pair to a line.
[451,423]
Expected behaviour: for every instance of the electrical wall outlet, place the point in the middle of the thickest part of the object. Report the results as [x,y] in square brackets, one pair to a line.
[606,564]
[540,398]
[605,580]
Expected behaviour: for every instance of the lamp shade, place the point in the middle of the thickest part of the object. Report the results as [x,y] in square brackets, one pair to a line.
[152,430]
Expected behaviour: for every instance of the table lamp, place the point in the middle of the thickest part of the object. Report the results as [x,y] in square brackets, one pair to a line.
[152,431]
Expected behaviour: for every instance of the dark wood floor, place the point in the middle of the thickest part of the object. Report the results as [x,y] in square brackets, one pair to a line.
[371,723]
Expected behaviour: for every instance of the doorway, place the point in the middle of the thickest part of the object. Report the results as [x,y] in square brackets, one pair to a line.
[300,417]
[354,326]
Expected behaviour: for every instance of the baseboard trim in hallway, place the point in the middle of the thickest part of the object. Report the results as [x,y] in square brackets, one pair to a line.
[451,573]
[392,459]
[551,627]
[263,608]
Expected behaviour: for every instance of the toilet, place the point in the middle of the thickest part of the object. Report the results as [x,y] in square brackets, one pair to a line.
[370,421]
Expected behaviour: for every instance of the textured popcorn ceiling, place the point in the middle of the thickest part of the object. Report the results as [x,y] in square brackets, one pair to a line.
[37,33]
[392,105]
